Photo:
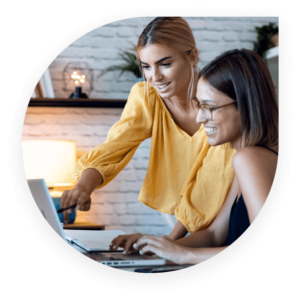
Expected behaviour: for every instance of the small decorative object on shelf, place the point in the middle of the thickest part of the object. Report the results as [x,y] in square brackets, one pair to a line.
[79,75]
[78,93]
[78,80]
[267,37]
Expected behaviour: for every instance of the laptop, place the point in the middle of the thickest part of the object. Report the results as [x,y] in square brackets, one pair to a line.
[88,240]
[131,259]
[91,241]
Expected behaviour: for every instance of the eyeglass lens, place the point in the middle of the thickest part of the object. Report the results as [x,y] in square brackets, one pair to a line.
[205,110]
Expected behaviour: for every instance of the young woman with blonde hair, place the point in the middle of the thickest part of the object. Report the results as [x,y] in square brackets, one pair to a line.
[180,157]
[236,102]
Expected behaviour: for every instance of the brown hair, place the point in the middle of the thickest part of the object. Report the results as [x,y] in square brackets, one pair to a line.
[244,76]
[175,33]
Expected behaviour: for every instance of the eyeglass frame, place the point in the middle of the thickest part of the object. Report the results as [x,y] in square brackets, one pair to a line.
[211,109]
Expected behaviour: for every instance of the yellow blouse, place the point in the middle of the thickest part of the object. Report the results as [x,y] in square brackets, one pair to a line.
[185,175]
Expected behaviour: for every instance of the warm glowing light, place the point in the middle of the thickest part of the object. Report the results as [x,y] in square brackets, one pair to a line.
[77,77]
[53,161]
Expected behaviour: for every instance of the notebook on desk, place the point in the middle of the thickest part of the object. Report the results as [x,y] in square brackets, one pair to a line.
[89,240]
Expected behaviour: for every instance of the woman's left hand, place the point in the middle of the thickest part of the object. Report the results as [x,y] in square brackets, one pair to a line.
[163,247]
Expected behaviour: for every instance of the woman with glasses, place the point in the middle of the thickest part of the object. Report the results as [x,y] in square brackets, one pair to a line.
[160,108]
[236,102]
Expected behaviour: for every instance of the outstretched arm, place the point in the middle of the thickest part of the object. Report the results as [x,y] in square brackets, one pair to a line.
[255,170]
[99,166]
[166,248]
[81,193]
[179,231]
[186,250]
[128,240]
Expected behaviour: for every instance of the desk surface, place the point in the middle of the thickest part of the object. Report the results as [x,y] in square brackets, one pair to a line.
[84,226]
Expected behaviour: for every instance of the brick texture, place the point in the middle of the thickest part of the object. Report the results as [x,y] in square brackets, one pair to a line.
[100,48]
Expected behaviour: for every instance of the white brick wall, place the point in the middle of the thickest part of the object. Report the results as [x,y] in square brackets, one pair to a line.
[101,47]
[116,205]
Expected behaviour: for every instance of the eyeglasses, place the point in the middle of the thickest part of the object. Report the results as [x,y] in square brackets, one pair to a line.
[206,110]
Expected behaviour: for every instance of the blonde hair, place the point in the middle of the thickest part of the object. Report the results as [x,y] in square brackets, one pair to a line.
[174,33]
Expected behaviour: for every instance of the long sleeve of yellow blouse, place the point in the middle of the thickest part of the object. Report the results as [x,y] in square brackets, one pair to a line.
[185,175]
[122,140]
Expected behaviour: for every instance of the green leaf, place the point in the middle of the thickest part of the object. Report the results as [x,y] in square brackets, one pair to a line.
[130,66]
[264,35]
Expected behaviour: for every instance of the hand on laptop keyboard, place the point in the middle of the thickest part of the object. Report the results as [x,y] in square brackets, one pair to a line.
[125,241]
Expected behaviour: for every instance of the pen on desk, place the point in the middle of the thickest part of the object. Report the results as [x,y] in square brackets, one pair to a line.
[66,208]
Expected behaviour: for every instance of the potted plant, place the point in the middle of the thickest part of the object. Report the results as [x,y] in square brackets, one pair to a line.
[130,65]
[266,38]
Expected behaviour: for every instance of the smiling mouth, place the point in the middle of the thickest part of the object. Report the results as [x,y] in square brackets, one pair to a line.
[210,130]
[162,86]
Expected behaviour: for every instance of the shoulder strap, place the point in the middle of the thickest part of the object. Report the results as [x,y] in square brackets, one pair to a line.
[269,149]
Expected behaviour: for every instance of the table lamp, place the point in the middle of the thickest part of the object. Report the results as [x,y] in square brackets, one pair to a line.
[54,161]
[79,79]
[78,74]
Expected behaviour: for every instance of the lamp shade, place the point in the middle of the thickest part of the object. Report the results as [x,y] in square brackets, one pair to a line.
[54,161]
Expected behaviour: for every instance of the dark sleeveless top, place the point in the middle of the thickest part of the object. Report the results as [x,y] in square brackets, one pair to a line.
[239,219]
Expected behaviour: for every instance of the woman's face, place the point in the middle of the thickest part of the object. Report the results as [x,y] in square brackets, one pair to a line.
[166,70]
[225,124]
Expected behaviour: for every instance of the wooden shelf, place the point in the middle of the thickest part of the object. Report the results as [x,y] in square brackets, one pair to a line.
[65,102]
